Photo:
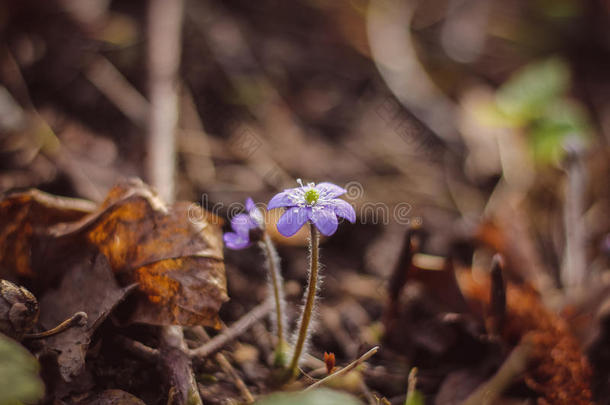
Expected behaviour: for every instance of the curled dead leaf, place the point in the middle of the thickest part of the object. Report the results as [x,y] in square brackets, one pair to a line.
[175,258]
[24,218]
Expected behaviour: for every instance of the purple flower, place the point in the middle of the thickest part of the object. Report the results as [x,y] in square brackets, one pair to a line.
[316,203]
[245,226]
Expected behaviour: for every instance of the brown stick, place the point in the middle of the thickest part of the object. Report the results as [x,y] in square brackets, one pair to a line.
[164,44]
[232,332]
[498,296]
[366,391]
[111,82]
[345,369]
[178,368]
[139,349]
[574,266]
[78,319]
[164,40]
[515,364]
[227,367]
[399,275]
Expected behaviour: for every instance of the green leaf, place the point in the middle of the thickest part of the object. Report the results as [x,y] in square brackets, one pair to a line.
[558,122]
[415,398]
[322,396]
[527,93]
[488,113]
[560,9]
[19,381]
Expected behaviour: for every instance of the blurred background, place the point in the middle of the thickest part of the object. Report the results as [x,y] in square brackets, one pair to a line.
[449,112]
[484,122]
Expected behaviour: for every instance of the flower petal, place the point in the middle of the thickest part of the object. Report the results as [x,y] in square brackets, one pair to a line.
[292,220]
[330,190]
[258,218]
[235,241]
[343,209]
[250,204]
[242,223]
[283,199]
[325,220]
[256,215]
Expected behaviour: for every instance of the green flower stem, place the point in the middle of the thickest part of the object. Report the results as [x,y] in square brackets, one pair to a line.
[310,294]
[273,263]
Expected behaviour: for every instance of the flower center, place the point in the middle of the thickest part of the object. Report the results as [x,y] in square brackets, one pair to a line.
[311,196]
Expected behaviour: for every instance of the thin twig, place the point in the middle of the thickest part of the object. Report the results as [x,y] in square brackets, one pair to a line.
[515,364]
[164,40]
[78,319]
[239,383]
[313,362]
[399,275]
[194,142]
[345,369]
[366,391]
[164,46]
[227,367]
[111,83]
[264,339]
[139,349]
[178,367]
[574,266]
[235,330]
[498,296]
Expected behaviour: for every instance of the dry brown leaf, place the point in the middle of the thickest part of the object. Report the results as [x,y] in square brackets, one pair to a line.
[175,257]
[24,218]
[559,371]
[89,288]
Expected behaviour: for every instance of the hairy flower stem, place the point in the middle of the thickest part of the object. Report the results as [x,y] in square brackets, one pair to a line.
[277,286]
[310,294]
